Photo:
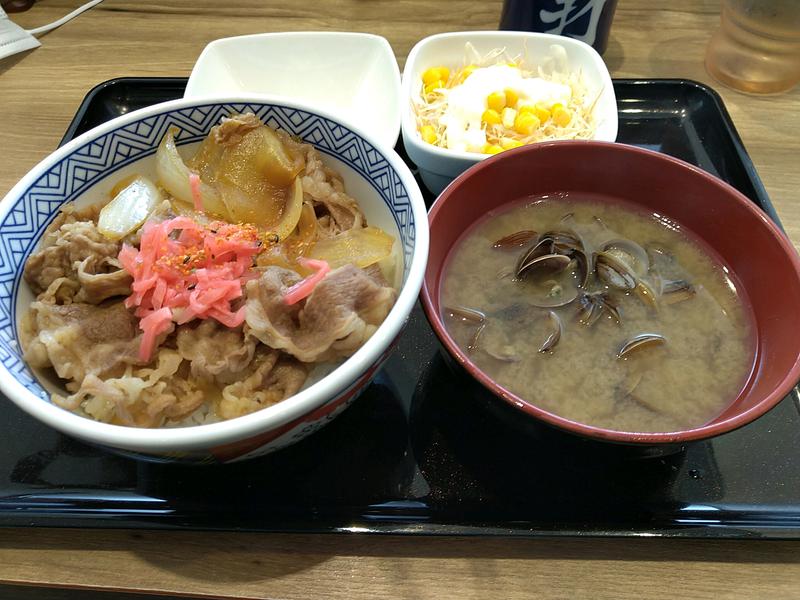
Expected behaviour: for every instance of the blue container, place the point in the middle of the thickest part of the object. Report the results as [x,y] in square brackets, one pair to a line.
[585,20]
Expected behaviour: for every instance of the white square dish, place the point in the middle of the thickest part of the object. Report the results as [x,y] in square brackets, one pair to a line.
[353,75]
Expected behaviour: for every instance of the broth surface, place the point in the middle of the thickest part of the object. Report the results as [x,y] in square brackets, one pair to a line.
[699,369]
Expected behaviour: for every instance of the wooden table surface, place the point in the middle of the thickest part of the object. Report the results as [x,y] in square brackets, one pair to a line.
[39,93]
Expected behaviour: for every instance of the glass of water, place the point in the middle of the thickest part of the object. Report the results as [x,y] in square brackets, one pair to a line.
[757,47]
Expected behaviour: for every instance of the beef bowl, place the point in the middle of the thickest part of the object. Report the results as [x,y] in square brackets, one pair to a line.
[614,294]
[206,280]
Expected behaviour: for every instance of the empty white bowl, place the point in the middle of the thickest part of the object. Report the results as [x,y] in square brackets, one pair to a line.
[439,166]
[352,75]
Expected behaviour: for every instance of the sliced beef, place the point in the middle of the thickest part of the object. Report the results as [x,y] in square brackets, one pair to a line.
[336,211]
[344,310]
[143,397]
[272,377]
[71,245]
[267,317]
[100,279]
[215,352]
[80,339]
[232,129]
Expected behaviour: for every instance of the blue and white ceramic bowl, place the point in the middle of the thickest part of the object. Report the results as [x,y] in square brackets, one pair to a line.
[85,170]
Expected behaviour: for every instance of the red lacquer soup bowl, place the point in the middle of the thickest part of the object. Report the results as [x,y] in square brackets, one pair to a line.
[762,259]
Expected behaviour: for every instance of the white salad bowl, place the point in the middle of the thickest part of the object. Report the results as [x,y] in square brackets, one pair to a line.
[85,169]
[439,166]
[354,75]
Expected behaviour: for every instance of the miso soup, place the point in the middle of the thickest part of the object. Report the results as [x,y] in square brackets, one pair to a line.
[603,314]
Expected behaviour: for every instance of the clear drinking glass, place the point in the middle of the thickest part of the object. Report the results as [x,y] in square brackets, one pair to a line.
[757,47]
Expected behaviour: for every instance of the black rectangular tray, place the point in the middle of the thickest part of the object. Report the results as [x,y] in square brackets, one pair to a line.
[414,454]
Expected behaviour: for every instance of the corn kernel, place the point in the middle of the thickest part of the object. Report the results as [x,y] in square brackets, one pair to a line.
[492,149]
[508,116]
[526,123]
[509,143]
[528,108]
[512,97]
[541,113]
[432,87]
[435,74]
[556,106]
[562,117]
[496,101]
[428,133]
[491,117]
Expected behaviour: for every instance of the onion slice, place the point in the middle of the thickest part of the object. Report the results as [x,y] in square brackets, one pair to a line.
[361,247]
[291,211]
[304,235]
[129,209]
[173,175]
